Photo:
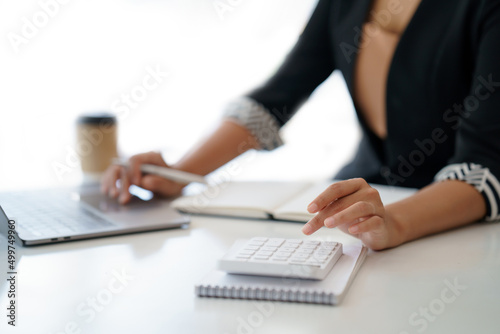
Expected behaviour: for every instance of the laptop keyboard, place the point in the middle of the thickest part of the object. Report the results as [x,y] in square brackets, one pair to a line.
[50,215]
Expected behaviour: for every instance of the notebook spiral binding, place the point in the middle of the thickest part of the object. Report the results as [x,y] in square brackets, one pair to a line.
[282,295]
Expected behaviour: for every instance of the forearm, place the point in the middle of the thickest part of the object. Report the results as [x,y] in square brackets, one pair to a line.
[437,207]
[227,142]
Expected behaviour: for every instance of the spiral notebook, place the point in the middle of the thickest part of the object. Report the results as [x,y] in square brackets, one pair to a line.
[329,291]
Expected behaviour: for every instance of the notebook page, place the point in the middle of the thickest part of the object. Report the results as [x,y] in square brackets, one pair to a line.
[243,199]
[296,209]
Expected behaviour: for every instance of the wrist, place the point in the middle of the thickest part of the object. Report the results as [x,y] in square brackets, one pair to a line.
[397,226]
[185,166]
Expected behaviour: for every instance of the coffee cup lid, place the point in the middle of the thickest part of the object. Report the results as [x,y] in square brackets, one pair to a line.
[97,118]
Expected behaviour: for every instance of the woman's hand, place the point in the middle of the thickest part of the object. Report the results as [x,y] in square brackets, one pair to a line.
[133,175]
[355,208]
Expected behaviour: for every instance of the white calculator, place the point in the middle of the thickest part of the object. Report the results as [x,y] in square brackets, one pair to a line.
[279,257]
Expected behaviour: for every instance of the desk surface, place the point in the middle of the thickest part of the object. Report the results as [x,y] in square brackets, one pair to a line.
[448,283]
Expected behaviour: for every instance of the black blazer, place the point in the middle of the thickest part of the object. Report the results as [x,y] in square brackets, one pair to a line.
[443,88]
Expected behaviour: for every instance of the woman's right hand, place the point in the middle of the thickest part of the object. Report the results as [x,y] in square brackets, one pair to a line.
[133,175]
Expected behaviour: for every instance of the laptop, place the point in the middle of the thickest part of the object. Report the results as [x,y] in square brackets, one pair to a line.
[55,215]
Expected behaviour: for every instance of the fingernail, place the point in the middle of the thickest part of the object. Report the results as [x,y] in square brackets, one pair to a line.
[329,222]
[353,229]
[307,229]
[312,208]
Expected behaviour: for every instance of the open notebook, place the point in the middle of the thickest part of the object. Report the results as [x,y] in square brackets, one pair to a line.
[329,291]
[268,200]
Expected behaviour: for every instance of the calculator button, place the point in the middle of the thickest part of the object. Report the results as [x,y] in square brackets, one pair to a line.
[247,251]
[256,243]
[315,260]
[287,249]
[329,243]
[275,242]
[283,254]
[308,246]
[277,258]
[263,253]
[269,249]
[310,242]
[300,256]
[294,241]
[323,252]
[304,251]
[251,247]
[290,245]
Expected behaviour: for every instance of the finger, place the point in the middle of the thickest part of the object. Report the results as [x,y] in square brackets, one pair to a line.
[331,209]
[135,162]
[125,195]
[334,207]
[312,226]
[113,189]
[335,191]
[161,186]
[105,180]
[366,225]
[369,199]
[108,182]
[352,214]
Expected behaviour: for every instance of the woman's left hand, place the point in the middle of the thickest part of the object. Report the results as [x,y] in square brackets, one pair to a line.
[355,208]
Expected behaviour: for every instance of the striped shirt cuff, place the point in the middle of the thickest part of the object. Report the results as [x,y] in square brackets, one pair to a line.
[481,178]
[257,120]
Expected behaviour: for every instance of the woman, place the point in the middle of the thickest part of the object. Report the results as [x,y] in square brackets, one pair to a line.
[425,80]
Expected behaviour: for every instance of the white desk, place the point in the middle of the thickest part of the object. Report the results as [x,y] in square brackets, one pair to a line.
[55,280]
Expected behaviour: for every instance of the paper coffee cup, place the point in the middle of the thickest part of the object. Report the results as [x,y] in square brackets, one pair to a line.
[97,141]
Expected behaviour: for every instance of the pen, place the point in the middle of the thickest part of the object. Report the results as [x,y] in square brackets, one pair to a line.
[165,172]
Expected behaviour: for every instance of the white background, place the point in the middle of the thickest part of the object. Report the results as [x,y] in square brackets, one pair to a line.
[91,52]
